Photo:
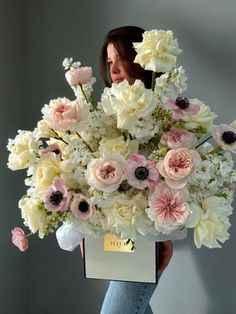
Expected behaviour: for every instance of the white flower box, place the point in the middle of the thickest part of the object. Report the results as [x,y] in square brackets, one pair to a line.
[110,258]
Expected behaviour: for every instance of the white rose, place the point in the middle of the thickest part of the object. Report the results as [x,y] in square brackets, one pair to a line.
[46,171]
[210,221]
[34,215]
[126,215]
[23,150]
[119,145]
[129,102]
[157,51]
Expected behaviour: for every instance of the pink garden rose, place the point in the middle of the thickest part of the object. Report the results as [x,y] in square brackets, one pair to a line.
[80,75]
[168,208]
[141,173]
[176,167]
[19,239]
[225,136]
[81,208]
[56,197]
[106,173]
[69,115]
[177,138]
[182,106]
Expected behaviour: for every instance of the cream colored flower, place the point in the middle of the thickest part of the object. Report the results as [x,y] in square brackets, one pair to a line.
[203,118]
[129,102]
[106,173]
[126,215]
[210,221]
[119,145]
[46,171]
[157,51]
[34,215]
[23,150]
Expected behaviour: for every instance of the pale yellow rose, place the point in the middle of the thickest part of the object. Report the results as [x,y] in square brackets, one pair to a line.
[157,51]
[210,221]
[119,145]
[129,103]
[203,118]
[126,215]
[47,170]
[34,215]
[23,150]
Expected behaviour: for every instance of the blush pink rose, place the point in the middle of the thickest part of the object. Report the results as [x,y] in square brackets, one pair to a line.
[168,208]
[80,75]
[225,136]
[71,116]
[177,138]
[182,106]
[106,173]
[176,167]
[141,173]
[19,239]
[81,208]
[57,197]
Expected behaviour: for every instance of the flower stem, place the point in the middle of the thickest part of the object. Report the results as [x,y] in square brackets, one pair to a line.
[59,138]
[89,148]
[93,102]
[82,90]
[203,142]
[153,80]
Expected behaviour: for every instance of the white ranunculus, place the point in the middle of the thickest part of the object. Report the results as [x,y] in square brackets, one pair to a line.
[210,221]
[204,117]
[157,51]
[129,103]
[23,150]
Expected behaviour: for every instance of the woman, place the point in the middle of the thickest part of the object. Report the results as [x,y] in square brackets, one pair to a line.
[116,63]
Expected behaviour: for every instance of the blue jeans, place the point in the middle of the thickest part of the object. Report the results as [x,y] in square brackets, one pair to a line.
[124,297]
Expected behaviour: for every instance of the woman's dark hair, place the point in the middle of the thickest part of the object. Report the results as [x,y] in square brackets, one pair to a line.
[123,38]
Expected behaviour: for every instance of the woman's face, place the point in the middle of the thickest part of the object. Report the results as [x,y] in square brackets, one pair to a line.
[118,72]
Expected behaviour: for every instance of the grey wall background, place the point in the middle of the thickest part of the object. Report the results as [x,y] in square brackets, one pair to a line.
[35,36]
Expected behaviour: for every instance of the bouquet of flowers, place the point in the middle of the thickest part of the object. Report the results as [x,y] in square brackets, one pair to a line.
[137,162]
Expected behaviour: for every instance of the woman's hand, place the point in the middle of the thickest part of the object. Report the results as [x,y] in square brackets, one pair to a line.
[165,254]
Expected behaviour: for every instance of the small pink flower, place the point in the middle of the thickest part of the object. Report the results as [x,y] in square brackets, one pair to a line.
[168,208]
[81,208]
[106,173]
[19,239]
[225,136]
[56,197]
[140,173]
[53,148]
[182,106]
[176,167]
[177,138]
[80,75]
